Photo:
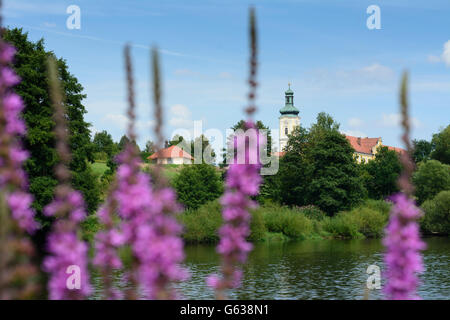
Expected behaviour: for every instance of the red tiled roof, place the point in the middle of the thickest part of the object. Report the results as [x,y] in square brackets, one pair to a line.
[362,145]
[171,152]
[279,154]
[396,149]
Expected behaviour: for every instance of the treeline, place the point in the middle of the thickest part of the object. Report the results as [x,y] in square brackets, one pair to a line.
[319,169]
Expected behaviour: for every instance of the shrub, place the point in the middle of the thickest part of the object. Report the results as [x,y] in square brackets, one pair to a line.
[257,226]
[341,226]
[437,214]
[431,178]
[379,205]
[365,220]
[202,225]
[312,212]
[293,224]
[101,156]
[370,222]
[89,227]
[197,184]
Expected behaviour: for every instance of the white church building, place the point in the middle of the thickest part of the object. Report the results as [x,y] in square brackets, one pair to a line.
[289,118]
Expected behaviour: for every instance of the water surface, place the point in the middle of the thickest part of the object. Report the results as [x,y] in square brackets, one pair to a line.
[322,269]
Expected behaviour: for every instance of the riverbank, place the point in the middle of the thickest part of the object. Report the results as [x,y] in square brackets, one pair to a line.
[272,222]
[275,223]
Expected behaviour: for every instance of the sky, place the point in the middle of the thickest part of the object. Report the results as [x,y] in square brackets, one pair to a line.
[334,62]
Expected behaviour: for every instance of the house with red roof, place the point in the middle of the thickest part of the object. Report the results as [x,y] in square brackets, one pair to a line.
[366,148]
[171,155]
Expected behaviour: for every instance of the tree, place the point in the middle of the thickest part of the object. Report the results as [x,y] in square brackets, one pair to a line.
[422,150]
[205,147]
[383,172]
[318,168]
[150,147]
[124,140]
[441,142]
[241,126]
[148,150]
[431,178]
[31,65]
[335,183]
[112,161]
[437,213]
[103,142]
[293,174]
[198,184]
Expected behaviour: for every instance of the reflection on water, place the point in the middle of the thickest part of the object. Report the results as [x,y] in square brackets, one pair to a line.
[323,269]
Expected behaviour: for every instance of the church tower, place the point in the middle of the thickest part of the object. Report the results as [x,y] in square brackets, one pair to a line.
[289,118]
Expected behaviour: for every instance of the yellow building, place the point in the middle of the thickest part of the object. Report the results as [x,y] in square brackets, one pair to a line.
[367,148]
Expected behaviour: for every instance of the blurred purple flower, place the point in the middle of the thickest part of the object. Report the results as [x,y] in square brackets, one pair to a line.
[64,246]
[12,176]
[403,259]
[149,228]
[242,182]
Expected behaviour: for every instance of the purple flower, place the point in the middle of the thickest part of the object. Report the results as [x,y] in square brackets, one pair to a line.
[148,228]
[13,179]
[107,242]
[403,259]
[242,182]
[65,248]
[20,204]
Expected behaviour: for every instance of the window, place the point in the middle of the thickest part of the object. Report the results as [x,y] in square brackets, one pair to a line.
[286,131]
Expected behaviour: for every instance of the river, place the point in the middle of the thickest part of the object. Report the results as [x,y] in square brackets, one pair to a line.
[322,269]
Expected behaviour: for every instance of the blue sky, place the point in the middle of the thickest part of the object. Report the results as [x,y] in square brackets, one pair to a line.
[324,48]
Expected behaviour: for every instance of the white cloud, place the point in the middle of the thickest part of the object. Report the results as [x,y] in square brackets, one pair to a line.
[122,122]
[378,72]
[394,120]
[354,133]
[355,122]
[446,53]
[118,119]
[180,116]
[433,59]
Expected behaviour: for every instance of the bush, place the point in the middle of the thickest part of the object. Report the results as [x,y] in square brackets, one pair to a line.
[431,178]
[202,225]
[293,224]
[437,214]
[101,156]
[312,212]
[257,227]
[89,227]
[379,205]
[341,226]
[197,184]
[365,220]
